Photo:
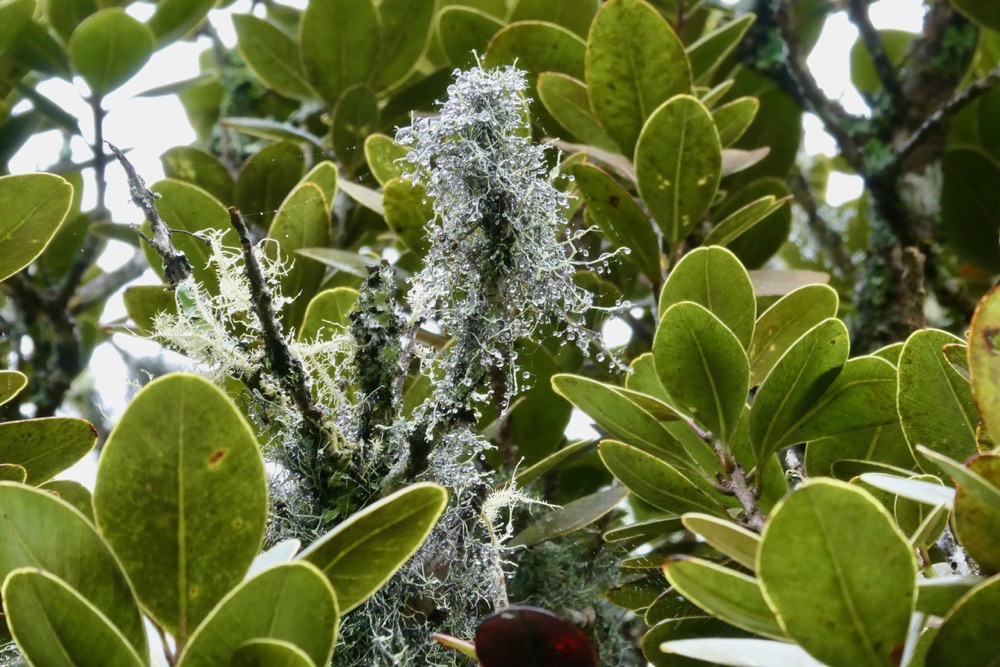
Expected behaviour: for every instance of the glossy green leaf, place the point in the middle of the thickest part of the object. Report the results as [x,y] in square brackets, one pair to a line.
[11,472]
[654,480]
[370,199]
[270,653]
[272,56]
[186,545]
[46,446]
[977,511]
[266,179]
[566,100]
[407,212]
[339,42]
[174,19]
[968,636]
[341,260]
[731,539]
[326,177]
[726,594]
[820,584]
[272,130]
[108,48]
[703,367]
[620,417]
[537,46]
[576,15]
[983,12]
[553,461]
[741,652]
[938,595]
[303,221]
[785,322]
[73,493]
[634,63]
[189,208]
[35,532]
[406,28]
[678,164]
[984,362]
[35,206]
[11,384]
[195,166]
[383,155]
[640,532]
[743,220]
[733,118]
[291,602]
[55,625]
[327,314]
[144,302]
[619,217]
[799,379]
[935,402]
[764,238]
[15,17]
[363,552]
[715,279]
[571,517]
[355,116]
[714,47]
[462,30]
[970,208]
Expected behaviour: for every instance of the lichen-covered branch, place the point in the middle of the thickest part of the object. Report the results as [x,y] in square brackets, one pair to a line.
[858,11]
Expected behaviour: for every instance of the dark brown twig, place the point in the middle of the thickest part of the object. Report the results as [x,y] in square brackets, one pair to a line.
[858,12]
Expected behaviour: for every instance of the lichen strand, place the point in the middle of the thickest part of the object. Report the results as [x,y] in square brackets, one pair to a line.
[500,263]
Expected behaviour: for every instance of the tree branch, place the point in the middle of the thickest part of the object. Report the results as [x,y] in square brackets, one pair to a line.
[104,286]
[857,10]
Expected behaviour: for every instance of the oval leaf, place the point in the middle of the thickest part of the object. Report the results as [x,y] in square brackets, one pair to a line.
[968,636]
[734,541]
[45,447]
[339,42]
[984,361]
[35,206]
[270,653]
[108,48]
[272,56]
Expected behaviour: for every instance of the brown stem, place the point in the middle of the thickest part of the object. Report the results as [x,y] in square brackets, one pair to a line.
[858,12]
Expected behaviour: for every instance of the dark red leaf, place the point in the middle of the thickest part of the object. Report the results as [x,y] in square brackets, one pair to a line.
[531,637]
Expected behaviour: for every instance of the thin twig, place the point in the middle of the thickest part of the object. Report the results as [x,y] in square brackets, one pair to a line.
[828,239]
[857,10]
[176,267]
[107,284]
[747,495]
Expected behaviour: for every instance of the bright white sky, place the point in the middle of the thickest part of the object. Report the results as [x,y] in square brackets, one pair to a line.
[149,126]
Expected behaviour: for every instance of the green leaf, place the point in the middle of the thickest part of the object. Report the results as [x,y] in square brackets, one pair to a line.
[977,511]
[65,15]
[341,260]
[11,472]
[462,30]
[656,481]
[291,602]
[189,208]
[11,384]
[339,42]
[785,322]
[266,179]
[54,625]
[174,19]
[863,396]
[47,446]
[407,212]
[640,532]
[35,532]
[732,596]
[733,118]
[565,98]
[741,652]
[383,155]
[272,130]
[73,493]
[324,176]
[715,279]
[820,582]
[35,206]
[576,15]
[714,47]
[795,384]
[144,302]
[732,540]
[370,199]
[272,56]
[355,116]
[934,401]
[619,217]
[15,17]
[634,63]
[983,12]
[303,221]
[537,46]
[984,366]
[895,43]
[108,48]
[195,166]
[327,314]
[186,545]
[915,488]
[362,553]
[571,517]
[703,367]
[970,208]
[922,522]
[406,30]
[743,220]
[270,653]
[553,461]
[936,596]
[968,636]
[678,164]
[767,236]
[620,417]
